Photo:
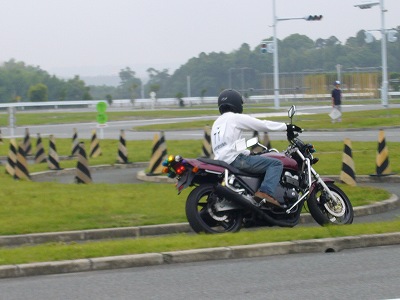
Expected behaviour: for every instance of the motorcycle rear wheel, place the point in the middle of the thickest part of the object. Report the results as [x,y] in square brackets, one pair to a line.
[319,212]
[202,217]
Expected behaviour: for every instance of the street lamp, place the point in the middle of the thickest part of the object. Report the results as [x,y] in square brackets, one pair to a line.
[384,87]
[275,48]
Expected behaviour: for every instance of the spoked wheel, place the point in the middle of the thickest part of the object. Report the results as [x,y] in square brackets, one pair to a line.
[203,216]
[325,211]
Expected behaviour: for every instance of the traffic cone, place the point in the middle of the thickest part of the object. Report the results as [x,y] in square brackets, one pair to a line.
[75,143]
[348,175]
[159,153]
[21,167]
[27,143]
[82,167]
[95,150]
[40,156]
[12,158]
[122,156]
[382,157]
[53,161]
[206,148]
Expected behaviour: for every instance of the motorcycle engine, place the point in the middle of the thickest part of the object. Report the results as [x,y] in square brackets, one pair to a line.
[286,192]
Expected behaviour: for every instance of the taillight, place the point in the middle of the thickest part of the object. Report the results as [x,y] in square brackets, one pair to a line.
[179,169]
[174,165]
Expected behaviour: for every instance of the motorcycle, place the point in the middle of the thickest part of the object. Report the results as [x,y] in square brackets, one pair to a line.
[222,198]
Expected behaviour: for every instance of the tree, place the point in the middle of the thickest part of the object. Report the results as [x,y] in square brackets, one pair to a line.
[157,80]
[38,93]
[17,78]
[76,89]
[129,83]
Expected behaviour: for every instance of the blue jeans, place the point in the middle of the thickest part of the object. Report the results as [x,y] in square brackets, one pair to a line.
[256,164]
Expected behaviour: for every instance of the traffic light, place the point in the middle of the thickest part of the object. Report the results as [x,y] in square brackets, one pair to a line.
[267,47]
[263,48]
[313,18]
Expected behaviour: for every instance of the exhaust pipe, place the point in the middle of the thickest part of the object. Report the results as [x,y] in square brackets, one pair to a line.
[231,195]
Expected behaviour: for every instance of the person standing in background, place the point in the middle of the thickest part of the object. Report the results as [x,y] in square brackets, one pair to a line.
[337,100]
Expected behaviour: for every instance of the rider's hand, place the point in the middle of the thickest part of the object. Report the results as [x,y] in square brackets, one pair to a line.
[291,129]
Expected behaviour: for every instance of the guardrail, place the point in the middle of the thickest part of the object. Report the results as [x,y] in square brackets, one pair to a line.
[51,103]
[187,101]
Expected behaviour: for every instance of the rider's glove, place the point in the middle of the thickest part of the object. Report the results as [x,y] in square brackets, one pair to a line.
[291,129]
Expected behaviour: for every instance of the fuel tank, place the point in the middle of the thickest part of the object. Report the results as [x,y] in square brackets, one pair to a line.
[288,163]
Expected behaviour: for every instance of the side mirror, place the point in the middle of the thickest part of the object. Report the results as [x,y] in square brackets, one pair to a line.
[291,111]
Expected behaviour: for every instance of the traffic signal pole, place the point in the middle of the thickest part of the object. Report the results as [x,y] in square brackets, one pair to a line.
[275,48]
[276,67]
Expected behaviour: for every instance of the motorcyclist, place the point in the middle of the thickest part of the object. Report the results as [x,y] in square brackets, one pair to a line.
[227,131]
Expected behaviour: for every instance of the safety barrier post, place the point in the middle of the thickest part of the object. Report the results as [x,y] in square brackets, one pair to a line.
[159,153]
[82,167]
[348,174]
[40,156]
[53,160]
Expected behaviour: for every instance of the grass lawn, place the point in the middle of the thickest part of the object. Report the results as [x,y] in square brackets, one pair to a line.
[30,207]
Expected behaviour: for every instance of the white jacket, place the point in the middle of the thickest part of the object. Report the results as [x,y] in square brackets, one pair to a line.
[228,129]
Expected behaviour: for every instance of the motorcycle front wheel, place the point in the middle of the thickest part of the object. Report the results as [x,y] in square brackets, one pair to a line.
[325,211]
[202,215]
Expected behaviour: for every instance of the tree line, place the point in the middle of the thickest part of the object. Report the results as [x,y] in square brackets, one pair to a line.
[207,74]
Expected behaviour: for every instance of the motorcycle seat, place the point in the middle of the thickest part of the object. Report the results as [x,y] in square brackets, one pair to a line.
[223,164]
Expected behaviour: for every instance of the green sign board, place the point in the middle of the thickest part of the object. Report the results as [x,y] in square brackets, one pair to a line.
[101,107]
[101,118]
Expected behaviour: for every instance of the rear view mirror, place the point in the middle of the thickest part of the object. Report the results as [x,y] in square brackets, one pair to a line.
[291,111]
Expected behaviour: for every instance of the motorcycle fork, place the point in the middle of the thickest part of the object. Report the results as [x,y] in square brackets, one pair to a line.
[311,171]
[323,184]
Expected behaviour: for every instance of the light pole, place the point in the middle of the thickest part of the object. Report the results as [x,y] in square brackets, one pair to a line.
[189,92]
[384,87]
[275,53]
[275,50]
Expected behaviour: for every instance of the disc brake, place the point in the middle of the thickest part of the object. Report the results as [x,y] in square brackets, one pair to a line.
[212,209]
[336,207]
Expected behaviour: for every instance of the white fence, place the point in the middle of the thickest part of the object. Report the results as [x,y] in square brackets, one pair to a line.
[187,101]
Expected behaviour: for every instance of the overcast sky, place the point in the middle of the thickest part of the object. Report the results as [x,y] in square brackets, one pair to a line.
[100,37]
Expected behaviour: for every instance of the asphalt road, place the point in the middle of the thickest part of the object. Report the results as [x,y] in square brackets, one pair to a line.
[367,273]
[112,131]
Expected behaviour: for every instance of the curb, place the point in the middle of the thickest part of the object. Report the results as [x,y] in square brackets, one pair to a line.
[198,255]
